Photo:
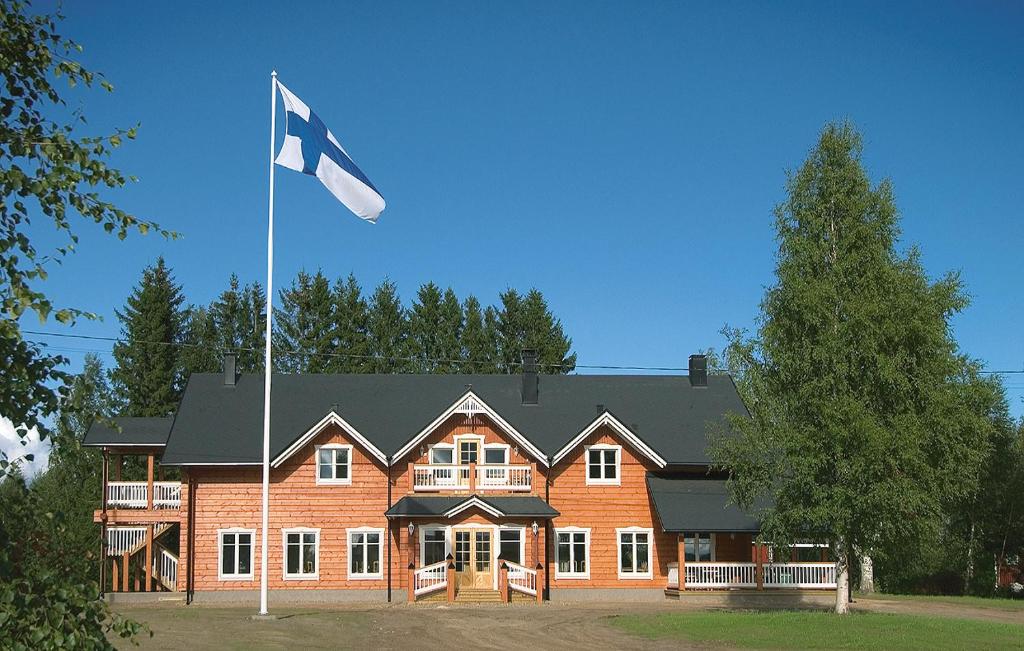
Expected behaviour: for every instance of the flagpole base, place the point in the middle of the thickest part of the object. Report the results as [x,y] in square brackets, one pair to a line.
[262,618]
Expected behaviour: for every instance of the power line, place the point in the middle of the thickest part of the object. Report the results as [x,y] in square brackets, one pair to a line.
[282,351]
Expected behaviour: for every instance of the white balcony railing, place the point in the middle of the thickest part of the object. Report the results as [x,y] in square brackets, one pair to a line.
[720,575]
[167,569]
[134,494]
[522,579]
[124,539]
[434,477]
[800,575]
[430,578]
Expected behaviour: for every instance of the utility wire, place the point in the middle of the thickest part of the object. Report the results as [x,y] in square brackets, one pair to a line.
[281,351]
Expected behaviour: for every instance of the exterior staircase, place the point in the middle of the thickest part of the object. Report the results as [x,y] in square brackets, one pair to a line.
[131,540]
[477,596]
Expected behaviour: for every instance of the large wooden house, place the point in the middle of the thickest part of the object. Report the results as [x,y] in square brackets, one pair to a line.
[427,487]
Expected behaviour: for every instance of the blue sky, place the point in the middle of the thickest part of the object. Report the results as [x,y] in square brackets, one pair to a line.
[623,157]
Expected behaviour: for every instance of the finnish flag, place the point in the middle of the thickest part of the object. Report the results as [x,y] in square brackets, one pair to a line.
[309,147]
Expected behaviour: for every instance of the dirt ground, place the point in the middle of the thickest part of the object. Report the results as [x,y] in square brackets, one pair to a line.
[523,626]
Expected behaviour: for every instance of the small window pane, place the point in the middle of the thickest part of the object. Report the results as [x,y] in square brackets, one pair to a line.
[309,558]
[324,464]
[373,554]
[228,556]
[293,559]
[495,455]
[244,556]
[356,554]
[441,456]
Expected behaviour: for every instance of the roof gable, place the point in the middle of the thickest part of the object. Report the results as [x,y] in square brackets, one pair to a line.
[331,418]
[606,419]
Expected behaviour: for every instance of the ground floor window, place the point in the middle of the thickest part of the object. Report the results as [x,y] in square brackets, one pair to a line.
[364,553]
[235,548]
[699,548]
[572,553]
[511,545]
[301,553]
[635,553]
[433,546]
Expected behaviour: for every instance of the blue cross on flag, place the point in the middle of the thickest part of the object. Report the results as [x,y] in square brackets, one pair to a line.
[309,147]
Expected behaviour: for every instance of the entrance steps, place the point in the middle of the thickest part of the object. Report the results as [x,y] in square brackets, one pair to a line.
[477,596]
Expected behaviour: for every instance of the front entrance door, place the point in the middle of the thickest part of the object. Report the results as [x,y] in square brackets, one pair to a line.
[473,565]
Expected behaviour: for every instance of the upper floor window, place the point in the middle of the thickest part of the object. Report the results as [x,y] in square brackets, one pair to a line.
[301,553]
[469,450]
[699,548]
[334,464]
[496,454]
[603,464]
[235,547]
[635,553]
[442,455]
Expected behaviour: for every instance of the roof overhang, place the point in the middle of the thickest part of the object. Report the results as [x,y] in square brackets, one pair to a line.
[606,419]
[470,403]
[474,502]
[332,418]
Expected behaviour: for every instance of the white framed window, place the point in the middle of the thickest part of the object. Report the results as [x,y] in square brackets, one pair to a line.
[512,545]
[235,553]
[468,448]
[301,553]
[572,553]
[699,547]
[496,454]
[604,465]
[442,454]
[434,545]
[635,552]
[334,464]
[364,553]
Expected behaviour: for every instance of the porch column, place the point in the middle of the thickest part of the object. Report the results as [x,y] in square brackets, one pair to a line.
[759,565]
[149,481]
[681,554]
[149,556]
[472,478]
[533,478]
[114,583]
[124,573]
[412,583]
[412,478]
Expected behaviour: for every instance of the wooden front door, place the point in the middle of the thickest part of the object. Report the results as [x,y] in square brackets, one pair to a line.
[474,566]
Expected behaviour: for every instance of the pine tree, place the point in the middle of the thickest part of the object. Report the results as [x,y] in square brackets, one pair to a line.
[350,318]
[387,330]
[857,435]
[148,376]
[479,343]
[304,331]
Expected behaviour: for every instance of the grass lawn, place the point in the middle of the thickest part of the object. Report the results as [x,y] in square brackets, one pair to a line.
[822,630]
[1011,605]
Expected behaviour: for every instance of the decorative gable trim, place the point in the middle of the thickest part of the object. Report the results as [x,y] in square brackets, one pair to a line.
[470,403]
[470,503]
[331,418]
[606,419]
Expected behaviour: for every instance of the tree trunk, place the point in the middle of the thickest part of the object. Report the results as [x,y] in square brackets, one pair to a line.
[969,574]
[867,574]
[842,579]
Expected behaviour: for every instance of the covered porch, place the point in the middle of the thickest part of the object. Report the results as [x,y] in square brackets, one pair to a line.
[472,548]
[717,547]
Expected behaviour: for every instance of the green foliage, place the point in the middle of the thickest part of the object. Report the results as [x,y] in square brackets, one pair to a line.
[387,331]
[304,326]
[435,328]
[48,169]
[861,433]
[149,376]
[479,338]
[526,322]
[350,317]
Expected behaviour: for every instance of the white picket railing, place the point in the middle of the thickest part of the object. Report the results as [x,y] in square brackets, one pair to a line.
[522,579]
[800,575]
[430,578]
[133,494]
[435,476]
[124,539]
[167,569]
[508,478]
[719,575]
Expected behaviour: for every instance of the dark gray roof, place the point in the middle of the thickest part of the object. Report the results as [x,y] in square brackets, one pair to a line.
[134,431]
[428,506]
[696,505]
[224,424]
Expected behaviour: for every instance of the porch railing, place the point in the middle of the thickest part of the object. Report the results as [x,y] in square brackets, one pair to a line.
[430,578]
[134,494]
[720,575]
[167,569]
[434,477]
[522,579]
[508,478]
[124,539]
[800,575]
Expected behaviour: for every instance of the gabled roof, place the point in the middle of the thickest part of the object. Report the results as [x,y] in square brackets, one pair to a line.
[610,421]
[218,424]
[134,432]
[417,506]
[688,505]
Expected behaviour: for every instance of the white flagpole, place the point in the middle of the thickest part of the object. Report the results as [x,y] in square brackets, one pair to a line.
[267,366]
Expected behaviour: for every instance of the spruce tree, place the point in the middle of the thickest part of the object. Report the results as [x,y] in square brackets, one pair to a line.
[544,333]
[424,331]
[240,322]
[148,376]
[350,318]
[387,331]
[200,349]
[511,332]
[478,341]
[304,331]
[857,436]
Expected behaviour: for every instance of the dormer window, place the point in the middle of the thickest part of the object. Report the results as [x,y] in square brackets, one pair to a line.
[604,465]
[334,464]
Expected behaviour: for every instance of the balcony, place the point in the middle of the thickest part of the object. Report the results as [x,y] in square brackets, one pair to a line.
[777,576]
[135,495]
[471,477]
